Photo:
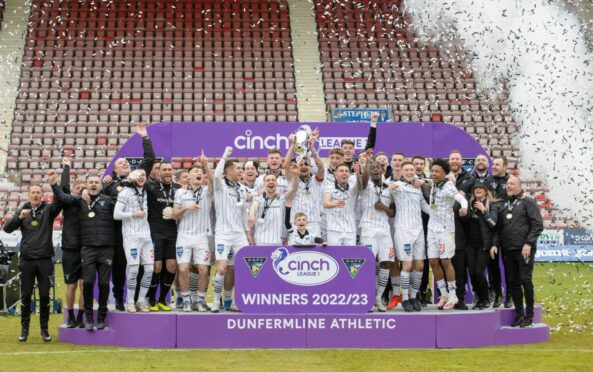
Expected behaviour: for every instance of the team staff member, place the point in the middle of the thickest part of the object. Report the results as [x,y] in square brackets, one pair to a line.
[35,219]
[97,230]
[519,226]
[112,186]
[464,182]
[71,245]
[482,216]
[500,177]
[163,230]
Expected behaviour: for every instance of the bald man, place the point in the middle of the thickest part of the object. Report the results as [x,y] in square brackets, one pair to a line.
[519,226]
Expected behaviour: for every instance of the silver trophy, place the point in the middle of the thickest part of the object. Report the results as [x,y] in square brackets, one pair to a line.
[301,147]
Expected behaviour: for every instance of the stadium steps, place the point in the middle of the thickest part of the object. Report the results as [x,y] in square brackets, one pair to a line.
[307,62]
[12,43]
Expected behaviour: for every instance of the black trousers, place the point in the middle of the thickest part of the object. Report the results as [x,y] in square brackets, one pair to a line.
[118,271]
[494,275]
[477,261]
[42,270]
[96,260]
[460,266]
[520,280]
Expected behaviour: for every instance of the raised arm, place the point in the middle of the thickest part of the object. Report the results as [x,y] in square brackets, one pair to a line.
[206,169]
[148,156]
[218,172]
[372,137]
[65,176]
[288,157]
[318,162]
[294,184]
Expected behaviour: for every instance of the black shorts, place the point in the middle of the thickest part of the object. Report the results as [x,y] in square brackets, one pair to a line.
[71,263]
[164,250]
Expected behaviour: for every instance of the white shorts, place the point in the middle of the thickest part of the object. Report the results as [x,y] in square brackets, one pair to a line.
[441,244]
[228,245]
[340,238]
[192,250]
[139,250]
[409,243]
[379,242]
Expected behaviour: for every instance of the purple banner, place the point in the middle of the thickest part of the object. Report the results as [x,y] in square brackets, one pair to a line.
[288,280]
[255,139]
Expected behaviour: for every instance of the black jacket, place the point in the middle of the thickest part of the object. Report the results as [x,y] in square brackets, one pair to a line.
[485,222]
[486,180]
[524,227]
[499,185]
[147,162]
[161,196]
[71,225]
[36,241]
[465,181]
[98,231]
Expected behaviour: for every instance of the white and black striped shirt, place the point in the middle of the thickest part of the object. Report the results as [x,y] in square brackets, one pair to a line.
[130,200]
[371,217]
[308,199]
[231,212]
[442,199]
[197,222]
[342,219]
[269,219]
[409,204]
[282,183]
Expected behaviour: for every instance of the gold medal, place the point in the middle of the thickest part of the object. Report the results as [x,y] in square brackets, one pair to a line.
[239,204]
[433,206]
[307,192]
[34,223]
[260,220]
[509,216]
[91,214]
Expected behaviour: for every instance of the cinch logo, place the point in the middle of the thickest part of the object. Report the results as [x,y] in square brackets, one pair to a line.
[251,142]
[304,268]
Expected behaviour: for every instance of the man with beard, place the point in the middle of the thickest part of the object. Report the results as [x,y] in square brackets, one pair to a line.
[464,182]
[35,219]
[500,177]
[97,230]
[112,185]
[480,172]
[163,229]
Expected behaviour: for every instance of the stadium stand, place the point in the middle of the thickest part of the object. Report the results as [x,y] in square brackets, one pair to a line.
[92,69]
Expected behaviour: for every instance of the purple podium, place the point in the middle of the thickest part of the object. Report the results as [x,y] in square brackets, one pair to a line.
[301,298]
[427,329]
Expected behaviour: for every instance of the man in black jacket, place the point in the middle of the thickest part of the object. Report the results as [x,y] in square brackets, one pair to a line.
[36,221]
[71,260]
[500,177]
[518,228]
[464,182]
[112,185]
[163,230]
[97,230]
